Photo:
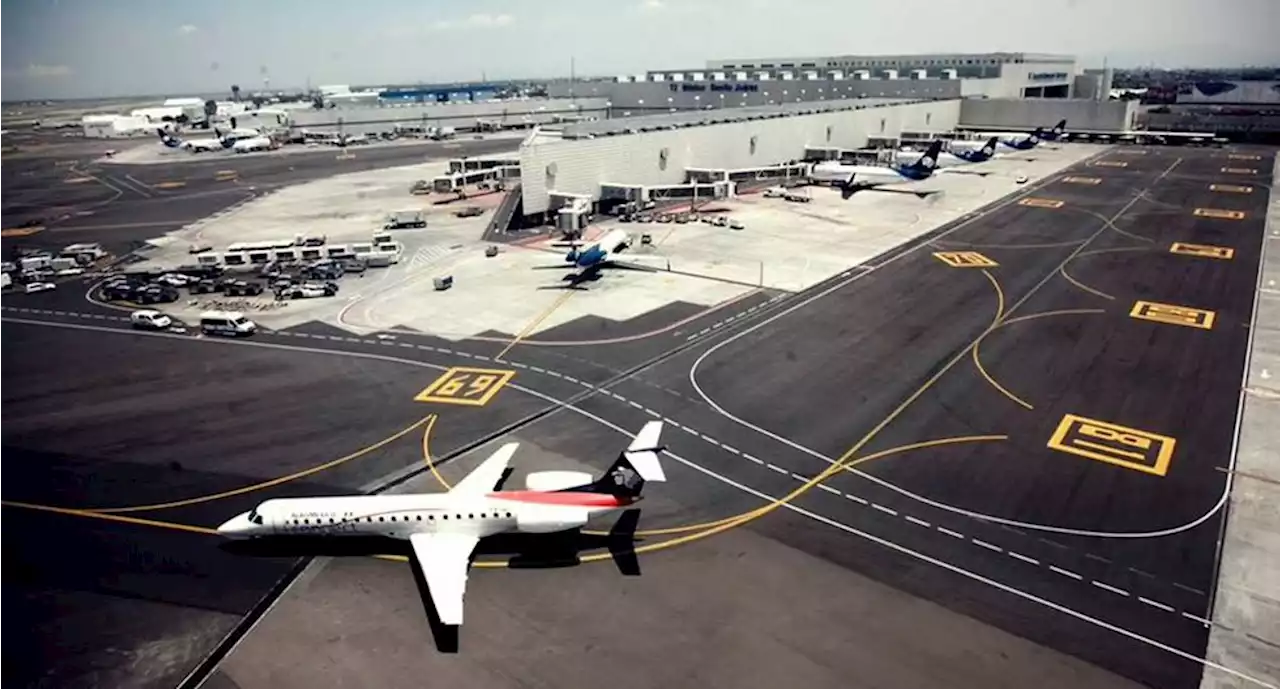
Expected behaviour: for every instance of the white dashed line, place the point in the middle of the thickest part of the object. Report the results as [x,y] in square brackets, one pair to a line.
[1156,604]
[1109,587]
[757,460]
[884,509]
[951,533]
[827,488]
[1065,572]
[988,546]
[1024,558]
[919,522]
[1196,618]
[856,499]
[777,468]
[634,404]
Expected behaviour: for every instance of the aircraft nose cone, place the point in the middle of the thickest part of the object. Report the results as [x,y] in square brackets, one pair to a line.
[237,526]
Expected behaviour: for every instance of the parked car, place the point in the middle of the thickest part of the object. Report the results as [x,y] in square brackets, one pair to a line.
[308,290]
[148,319]
[33,287]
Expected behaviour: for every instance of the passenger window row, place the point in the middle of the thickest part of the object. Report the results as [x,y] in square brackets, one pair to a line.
[405,518]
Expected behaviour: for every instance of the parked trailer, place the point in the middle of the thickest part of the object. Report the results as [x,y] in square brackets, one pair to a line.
[400,219]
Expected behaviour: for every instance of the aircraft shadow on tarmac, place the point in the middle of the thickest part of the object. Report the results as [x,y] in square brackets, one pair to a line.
[526,551]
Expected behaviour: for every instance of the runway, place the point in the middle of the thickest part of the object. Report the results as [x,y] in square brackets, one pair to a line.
[760,398]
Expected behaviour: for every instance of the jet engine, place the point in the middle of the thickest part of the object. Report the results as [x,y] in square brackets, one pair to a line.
[550,519]
[548,481]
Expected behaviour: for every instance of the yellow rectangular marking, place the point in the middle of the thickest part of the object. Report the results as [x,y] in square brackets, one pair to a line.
[1219,213]
[965,259]
[21,231]
[1232,188]
[472,387]
[1122,446]
[1082,180]
[1202,250]
[170,185]
[1110,163]
[1172,314]
[1240,170]
[1244,156]
[1034,202]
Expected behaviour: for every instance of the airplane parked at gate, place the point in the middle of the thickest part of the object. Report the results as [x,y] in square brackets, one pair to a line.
[444,529]
[218,142]
[589,258]
[961,157]
[851,177]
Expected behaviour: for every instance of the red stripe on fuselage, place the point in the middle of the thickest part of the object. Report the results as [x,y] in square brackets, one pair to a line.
[570,498]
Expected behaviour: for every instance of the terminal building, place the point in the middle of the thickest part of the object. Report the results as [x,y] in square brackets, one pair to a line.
[670,133]
[735,83]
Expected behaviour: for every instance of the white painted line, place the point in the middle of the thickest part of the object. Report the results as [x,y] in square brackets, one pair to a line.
[1156,604]
[827,488]
[1109,587]
[754,459]
[1189,588]
[777,468]
[872,538]
[539,369]
[798,477]
[463,354]
[1196,618]
[653,413]
[949,532]
[1065,572]
[1024,558]
[919,522]
[732,449]
[856,499]
[635,404]
[988,546]
[884,509]
[571,379]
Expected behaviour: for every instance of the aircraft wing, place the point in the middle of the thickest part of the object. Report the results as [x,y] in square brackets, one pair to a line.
[444,559]
[484,478]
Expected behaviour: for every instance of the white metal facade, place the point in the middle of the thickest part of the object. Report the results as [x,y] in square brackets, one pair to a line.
[377,118]
[661,157]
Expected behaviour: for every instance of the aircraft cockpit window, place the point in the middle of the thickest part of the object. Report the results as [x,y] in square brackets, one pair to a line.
[255,517]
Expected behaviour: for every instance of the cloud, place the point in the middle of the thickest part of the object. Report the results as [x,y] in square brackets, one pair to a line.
[653,6]
[187,29]
[34,71]
[482,20]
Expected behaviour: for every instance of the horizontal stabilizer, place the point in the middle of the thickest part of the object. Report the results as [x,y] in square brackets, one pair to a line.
[643,451]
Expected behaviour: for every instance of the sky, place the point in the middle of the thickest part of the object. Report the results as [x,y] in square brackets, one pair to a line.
[104,48]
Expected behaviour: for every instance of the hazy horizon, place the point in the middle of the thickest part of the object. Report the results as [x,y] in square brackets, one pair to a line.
[146,48]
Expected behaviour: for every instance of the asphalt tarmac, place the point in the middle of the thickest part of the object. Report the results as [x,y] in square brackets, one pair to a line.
[74,198]
[1094,470]
[787,383]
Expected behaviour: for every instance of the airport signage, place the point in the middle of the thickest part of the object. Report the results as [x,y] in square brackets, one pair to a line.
[701,88]
[1047,76]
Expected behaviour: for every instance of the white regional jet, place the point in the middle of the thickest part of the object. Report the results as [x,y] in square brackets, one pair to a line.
[445,528]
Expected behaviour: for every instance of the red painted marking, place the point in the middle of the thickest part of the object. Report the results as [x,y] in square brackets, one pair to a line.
[575,499]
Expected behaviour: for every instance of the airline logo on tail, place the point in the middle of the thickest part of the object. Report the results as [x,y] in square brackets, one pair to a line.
[924,167]
[1058,130]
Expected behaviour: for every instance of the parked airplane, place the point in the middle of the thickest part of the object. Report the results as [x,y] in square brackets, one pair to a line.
[959,157]
[257,143]
[445,528]
[193,145]
[589,258]
[851,177]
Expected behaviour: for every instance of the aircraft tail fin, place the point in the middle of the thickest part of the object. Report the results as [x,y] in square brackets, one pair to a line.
[635,466]
[1060,127]
[929,161]
[169,140]
[989,148]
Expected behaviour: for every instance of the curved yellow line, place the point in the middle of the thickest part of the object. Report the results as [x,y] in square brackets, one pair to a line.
[1062,270]
[426,455]
[711,528]
[109,517]
[977,361]
[430,420]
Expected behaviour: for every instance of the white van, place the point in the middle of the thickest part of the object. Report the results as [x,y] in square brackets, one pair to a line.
[229,323]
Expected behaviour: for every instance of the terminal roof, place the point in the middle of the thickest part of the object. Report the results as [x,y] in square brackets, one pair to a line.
[697,118]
